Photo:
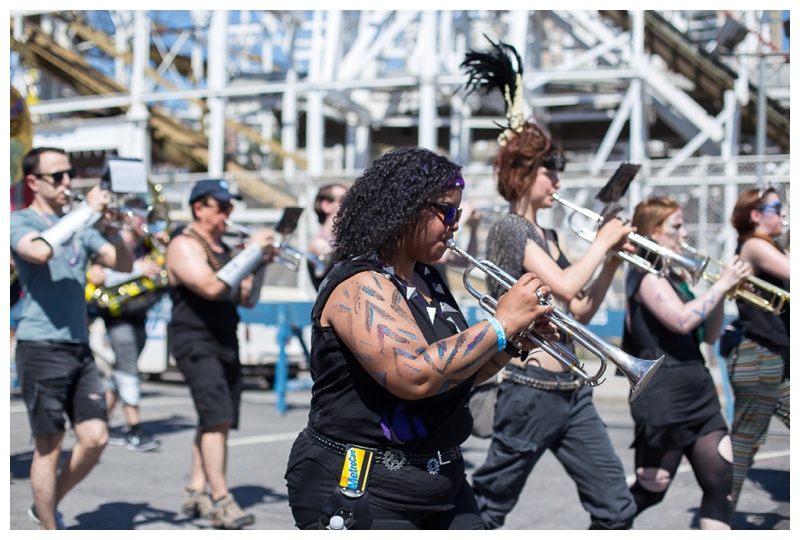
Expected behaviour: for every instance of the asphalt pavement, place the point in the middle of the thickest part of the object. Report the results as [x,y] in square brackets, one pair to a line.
[142,491]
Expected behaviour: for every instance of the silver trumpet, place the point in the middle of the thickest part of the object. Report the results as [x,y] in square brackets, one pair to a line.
[120,216]
[286,255]
[636,370]
[667,257]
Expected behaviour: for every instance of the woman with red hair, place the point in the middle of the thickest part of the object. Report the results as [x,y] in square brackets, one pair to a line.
[677,414]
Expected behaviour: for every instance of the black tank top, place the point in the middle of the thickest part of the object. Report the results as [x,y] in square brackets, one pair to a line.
[205,326]
[350,405]
[682,390]
[766,329]
[647,337]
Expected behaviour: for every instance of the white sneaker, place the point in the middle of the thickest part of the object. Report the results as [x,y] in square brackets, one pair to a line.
[35,517]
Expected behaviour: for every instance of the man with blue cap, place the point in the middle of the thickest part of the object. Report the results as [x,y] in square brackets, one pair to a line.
[207,284]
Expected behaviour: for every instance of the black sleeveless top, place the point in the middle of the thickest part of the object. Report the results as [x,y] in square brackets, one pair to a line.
[348,404]
[766,329]
[682,390]
[201,326]
[316,279]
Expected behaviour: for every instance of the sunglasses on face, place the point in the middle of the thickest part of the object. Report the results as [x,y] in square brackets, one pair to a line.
[555,162]
[773,207]
[222,207]
[450,213]
[58,176]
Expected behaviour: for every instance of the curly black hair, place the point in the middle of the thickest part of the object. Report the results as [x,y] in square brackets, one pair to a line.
[387,200]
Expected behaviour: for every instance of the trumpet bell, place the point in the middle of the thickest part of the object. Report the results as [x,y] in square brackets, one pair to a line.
[639,372]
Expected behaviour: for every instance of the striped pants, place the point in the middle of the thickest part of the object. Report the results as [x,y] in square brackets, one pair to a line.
[756,375]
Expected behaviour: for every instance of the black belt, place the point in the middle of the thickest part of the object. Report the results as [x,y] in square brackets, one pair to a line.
[392,458]
[540,384]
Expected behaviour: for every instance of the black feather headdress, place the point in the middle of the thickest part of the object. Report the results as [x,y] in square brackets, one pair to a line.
[500,68]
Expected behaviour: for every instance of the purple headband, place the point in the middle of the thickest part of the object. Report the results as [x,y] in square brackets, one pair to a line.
[457,181]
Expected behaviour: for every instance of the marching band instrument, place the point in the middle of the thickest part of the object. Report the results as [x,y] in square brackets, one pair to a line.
[153,225]
[21,141]
[777,296]
[636,370]
[666,257]
[288,256]
[21,133]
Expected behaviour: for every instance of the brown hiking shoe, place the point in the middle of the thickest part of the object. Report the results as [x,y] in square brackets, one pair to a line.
[227,514]
[197,503]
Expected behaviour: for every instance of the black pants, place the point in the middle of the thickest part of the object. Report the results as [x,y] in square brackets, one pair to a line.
[529,421]
[310,485]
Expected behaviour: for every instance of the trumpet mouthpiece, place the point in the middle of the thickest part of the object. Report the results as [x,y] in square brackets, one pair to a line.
[73,195]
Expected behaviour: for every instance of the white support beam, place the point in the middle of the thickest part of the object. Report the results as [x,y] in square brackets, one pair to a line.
[638,124]
[585,59]
[368,46]
[621,116]
[138,142]
[315,122]
[289,124]
[426,40]
[217,79]
[692,146]
[682,103]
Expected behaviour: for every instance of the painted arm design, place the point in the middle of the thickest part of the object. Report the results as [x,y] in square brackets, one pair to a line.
[375,322]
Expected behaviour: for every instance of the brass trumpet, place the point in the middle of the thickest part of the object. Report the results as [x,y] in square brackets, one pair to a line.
[287,256]
[777,296]
[695,267]
[636,370]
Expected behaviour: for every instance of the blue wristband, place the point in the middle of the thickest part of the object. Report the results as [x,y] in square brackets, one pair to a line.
[501,333]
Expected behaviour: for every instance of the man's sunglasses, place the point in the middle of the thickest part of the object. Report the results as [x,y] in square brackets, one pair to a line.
[58,176]
[555,162]
[451,214]
[223,207]
[773,207]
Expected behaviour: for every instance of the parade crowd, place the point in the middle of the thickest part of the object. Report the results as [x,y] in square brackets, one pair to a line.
[394,362]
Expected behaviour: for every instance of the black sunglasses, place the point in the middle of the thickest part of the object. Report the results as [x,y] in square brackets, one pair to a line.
[451,214]
[58,176]
[221,206]
[555,162]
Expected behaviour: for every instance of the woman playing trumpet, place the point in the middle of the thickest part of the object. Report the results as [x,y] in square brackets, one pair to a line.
[558,409]
[759,365]
[393,359]
[540,404]
[678,413]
